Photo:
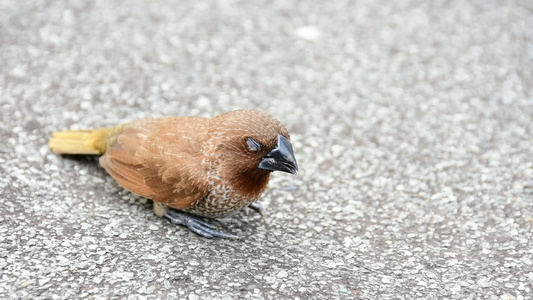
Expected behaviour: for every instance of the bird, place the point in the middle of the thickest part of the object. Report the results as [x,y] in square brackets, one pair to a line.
[193,168]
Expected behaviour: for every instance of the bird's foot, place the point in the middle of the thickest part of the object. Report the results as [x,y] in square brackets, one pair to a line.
[196,224]
[258,208]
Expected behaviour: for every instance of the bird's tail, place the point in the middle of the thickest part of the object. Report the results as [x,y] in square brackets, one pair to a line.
[81,141]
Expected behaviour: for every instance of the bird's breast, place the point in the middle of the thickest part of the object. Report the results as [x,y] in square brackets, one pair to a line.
[226,196]
[221,201]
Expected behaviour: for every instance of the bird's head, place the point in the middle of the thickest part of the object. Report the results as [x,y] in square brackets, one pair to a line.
[249,143]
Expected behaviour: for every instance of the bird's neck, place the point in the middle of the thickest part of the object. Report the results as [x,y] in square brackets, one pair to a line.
[252,183]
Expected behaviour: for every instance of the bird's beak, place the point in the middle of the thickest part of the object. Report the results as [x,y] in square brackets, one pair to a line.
[281,158]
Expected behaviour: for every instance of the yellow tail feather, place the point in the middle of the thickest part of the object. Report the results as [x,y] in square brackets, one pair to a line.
[80,141]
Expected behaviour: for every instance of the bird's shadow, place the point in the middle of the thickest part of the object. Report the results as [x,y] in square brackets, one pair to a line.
[82,159]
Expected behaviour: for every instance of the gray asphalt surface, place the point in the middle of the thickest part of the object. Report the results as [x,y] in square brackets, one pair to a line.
[412,124]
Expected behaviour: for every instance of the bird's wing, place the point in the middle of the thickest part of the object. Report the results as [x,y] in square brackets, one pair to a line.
[159,159]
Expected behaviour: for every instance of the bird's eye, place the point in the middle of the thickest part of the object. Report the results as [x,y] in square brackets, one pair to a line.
[253,144]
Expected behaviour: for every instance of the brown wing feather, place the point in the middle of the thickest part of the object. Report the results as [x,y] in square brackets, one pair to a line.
[121,163]
[126,175]
[159,159]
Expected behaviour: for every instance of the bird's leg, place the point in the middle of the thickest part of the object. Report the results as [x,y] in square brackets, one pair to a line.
[258,208]
[196,224]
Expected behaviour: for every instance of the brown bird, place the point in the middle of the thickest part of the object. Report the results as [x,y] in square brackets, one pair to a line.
[191,167]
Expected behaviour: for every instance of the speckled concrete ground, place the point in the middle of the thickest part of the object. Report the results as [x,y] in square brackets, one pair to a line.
[412,124]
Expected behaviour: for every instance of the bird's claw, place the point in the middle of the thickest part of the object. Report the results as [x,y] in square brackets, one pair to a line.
[196,225]
[258,208]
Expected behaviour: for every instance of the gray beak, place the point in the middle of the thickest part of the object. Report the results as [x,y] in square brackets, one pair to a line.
[281,158]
